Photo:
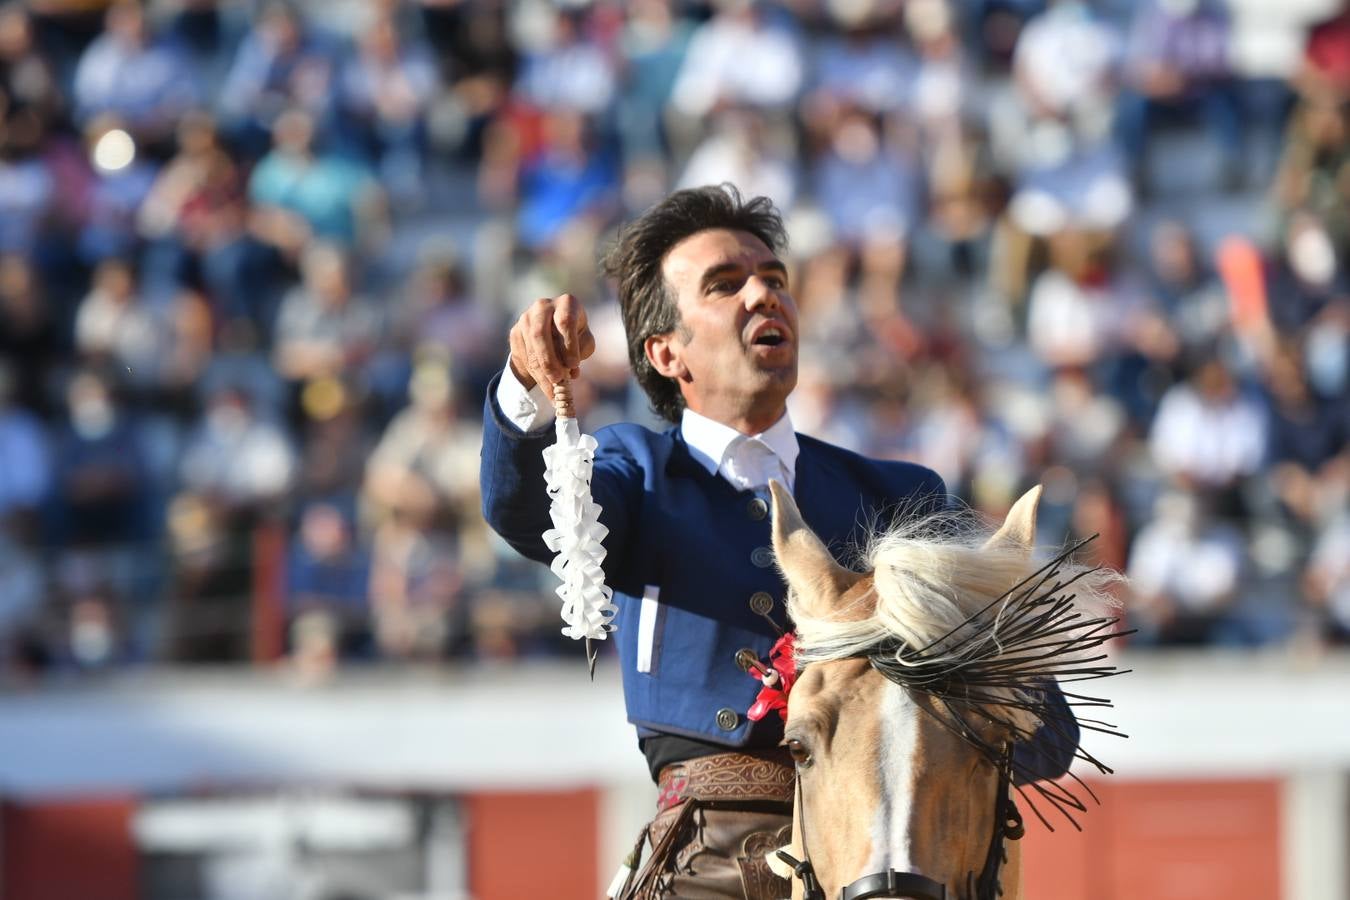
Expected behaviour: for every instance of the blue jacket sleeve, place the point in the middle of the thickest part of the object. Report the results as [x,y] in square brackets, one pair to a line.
[515,503]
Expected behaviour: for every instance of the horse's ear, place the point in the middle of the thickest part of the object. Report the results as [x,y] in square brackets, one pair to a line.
[1019,526]
[806,563]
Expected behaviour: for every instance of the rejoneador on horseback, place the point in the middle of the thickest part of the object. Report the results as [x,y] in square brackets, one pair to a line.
[689,551]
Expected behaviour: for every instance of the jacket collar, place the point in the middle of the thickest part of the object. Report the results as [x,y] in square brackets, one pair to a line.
[709,441]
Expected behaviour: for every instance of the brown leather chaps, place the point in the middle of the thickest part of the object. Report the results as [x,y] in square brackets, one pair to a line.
[719,816]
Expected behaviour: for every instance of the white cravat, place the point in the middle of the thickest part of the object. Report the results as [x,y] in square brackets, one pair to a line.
[747,462]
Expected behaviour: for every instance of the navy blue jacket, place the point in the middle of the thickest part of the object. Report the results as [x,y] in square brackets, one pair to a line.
[689,557]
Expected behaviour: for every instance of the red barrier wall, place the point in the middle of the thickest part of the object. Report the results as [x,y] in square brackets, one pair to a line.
[1165,840]
[534,845]
[63,849]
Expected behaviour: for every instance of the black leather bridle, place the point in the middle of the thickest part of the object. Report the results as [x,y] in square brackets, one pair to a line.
[1007,825]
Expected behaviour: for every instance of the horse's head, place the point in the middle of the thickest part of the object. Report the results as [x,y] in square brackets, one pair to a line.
[907,704]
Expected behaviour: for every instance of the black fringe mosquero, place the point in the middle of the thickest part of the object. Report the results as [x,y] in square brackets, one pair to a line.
[1041,636]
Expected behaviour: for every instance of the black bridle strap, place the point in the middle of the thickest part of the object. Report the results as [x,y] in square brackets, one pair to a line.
[802,868]
[1007,824]
[894,884]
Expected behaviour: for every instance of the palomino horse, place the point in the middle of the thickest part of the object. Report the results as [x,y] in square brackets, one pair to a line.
[915,682]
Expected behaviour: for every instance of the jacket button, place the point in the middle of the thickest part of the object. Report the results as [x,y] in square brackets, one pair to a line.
[761,603]
[727,720]
[746,659]
[757,509]
[762,557]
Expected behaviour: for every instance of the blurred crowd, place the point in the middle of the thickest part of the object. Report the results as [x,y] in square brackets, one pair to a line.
[258,259]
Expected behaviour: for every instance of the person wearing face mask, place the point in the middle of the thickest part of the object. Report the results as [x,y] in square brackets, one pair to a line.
[100,473]
[713,340]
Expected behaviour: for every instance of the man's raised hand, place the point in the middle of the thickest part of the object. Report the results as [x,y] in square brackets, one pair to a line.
[549,342]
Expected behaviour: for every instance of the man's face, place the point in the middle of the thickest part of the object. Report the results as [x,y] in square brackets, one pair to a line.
[735,352]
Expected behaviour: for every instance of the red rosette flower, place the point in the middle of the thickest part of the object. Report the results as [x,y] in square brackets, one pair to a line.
[777,681]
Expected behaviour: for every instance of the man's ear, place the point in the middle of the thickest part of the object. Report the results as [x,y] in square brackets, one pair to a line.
[663,352]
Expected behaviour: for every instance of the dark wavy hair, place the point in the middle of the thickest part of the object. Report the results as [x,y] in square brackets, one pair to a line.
[634,261]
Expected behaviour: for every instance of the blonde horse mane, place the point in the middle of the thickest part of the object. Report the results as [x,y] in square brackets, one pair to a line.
[934,581]
[976,622]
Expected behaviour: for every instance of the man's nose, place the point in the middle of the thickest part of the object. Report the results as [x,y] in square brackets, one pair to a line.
[758,295]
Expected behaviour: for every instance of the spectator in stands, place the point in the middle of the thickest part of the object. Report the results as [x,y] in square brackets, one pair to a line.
[128,72]
[23,588]
[1326,64]
[742,56]
[568,191]
[1185,570]
[1309,449]
[1065,68]
[651,49]
[438,315]
[1308,276]
[336,443]
[1208,432]
[30,98]
[1312,173]
[328,588]
[478,60]
[954,154]
[1087,425]
[117,329]
[207,32]
[945,425]
[300,194]
[1326,581]
[27,199]
[236,460]
[384,92]
[744,147]
[283,62]
[860,63]
[99,488]
[25,476]
[422,489]
[1184,287]
[30,338]
[944,89]
[417,596]
[423,468]
[1053,137]
[869,188]
[1178,62]
[323,327]
[207,595]
[568,70]
[190,328]
[1079,313]
[194,218]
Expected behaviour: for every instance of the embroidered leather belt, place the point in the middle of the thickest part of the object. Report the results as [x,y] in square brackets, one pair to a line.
[743,777]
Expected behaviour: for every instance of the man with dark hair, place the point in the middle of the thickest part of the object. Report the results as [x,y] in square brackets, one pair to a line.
[712,334]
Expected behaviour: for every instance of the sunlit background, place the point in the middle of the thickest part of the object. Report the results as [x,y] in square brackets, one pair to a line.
[257,264]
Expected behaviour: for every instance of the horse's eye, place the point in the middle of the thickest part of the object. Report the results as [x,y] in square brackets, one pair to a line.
[800,754]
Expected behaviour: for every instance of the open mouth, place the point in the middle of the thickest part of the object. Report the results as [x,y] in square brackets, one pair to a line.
[770,337]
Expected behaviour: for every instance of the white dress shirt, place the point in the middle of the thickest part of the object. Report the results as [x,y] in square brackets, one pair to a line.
[746,461]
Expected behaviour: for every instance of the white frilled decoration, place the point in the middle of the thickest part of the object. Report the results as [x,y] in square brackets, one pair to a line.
[576,534]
